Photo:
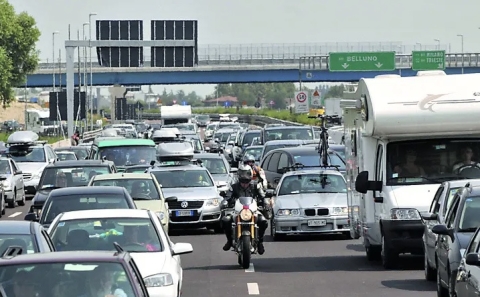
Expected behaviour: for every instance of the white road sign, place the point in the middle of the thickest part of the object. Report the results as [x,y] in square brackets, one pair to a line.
[316,101]
[301,102]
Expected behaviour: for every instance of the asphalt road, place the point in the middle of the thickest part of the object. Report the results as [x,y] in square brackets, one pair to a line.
[320,266]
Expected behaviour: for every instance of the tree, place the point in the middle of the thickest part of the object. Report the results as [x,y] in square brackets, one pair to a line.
[18,54]
[250,92]
[335,92]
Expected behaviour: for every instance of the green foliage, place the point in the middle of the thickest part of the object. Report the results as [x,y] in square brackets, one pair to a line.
[335,92]
[277,114]
[191,98]
[50,140]
[18,55]
[250,92]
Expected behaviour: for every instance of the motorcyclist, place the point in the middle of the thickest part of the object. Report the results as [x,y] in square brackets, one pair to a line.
[258,173]
[245,187]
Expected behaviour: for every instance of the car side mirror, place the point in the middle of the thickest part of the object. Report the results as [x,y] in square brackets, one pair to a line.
[363,185]
[269,193]
[429,216]
[18,172]
[181,248]
[472,259]
[32,217]
[443,230]
[171,199]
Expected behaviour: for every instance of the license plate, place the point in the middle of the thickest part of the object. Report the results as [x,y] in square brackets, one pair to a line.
[184,213]
[317,223]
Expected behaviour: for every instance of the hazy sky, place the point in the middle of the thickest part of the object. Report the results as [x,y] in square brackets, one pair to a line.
[274,21]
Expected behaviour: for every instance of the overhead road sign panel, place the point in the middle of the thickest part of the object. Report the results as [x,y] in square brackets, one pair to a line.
[428,60]
[361,61]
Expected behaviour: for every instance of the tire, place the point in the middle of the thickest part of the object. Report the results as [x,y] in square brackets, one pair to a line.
[275,236]
[430,273]
[246,254]
[389,256]
[373,253]
[11,204]
[348,235]
[22,202]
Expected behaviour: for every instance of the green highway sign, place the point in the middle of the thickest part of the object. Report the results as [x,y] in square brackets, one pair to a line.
[362,61]
[428,60]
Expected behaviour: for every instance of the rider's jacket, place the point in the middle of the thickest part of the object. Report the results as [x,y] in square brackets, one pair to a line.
[236,191]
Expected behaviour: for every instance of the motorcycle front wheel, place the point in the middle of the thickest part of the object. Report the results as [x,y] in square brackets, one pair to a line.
[246,254]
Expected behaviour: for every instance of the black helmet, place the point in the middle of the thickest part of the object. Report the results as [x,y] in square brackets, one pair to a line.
[245,174]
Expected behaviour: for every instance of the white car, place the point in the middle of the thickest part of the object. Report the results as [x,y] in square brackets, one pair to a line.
[137,231]
[66,156]
[13,187]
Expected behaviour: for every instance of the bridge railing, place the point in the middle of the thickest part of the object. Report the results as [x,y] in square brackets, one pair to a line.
[253,54]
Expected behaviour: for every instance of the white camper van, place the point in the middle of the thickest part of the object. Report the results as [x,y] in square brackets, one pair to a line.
[38,121]
[404,136]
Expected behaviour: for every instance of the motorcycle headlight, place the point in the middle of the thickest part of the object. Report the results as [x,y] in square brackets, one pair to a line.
[213,202]
[288,212]
[246,214]
[159,280]
[339,211]
[404,214]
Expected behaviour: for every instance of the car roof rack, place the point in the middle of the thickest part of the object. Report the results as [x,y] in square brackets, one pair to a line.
[12,251]
[24,138]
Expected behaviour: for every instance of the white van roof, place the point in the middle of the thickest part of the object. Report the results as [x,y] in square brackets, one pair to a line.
[23,138]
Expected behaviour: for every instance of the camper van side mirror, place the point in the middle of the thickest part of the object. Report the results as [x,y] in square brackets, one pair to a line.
[363,185]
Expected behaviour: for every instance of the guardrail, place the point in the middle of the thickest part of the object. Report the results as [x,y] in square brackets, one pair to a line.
[90,135]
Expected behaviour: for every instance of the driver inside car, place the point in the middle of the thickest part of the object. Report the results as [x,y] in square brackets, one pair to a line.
[131,237]
[467,156]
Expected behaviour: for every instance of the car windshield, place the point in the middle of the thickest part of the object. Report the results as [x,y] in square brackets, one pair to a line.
[138,188]
[315,160]
[283,134]
[82,154]
[23,241]
[29,279]
[272,147]
[215,166]
[133,234]
[65,156]
[340,150]
[183,178]
[129,155]
[249,136]
[432,161]
[59,204]
[27,154]
[70,176]
[203,118]
[222,137]
[470,217]
[211,127]
[5,167]
[256,152]
[313,183]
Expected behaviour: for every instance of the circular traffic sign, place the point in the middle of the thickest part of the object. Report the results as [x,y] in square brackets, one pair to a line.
[301,97]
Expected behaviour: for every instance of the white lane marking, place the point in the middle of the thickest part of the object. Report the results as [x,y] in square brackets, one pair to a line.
[14,214]
[253,289]
[250,268]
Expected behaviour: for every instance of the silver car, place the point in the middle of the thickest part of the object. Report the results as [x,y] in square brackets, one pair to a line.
[309,201]
[223,175]
[198,201]
[13,187]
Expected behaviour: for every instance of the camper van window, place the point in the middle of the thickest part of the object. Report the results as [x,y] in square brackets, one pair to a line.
[129,155]
[300,133]
[183,178]
[432,161]
[27,154]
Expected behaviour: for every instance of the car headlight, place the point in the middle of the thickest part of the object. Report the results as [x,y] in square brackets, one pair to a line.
[404,214]
[159,280]
[245,214]
[161,215]
[288,212]
[213,202]
[339,210]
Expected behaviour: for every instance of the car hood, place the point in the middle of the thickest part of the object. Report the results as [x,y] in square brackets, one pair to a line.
[27,167]
[309,200]
[414,196]
[144,262]
[196,193]
[153,205]
[221,179]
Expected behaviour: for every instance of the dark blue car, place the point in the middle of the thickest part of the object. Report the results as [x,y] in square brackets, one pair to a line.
[31,237]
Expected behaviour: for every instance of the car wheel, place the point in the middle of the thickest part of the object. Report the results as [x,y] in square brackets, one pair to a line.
[11,204]
[22,202]
[389,255]
[441,290]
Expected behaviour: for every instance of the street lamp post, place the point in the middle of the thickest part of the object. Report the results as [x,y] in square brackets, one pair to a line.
[91,68]
[461,38]
[438,43]
[85,86]
[53,71]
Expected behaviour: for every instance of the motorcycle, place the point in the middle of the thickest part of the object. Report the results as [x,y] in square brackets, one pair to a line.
[244,228]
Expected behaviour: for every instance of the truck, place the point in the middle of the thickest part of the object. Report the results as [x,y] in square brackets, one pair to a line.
[38,121]
[176,114]
[403,135]
[333,108]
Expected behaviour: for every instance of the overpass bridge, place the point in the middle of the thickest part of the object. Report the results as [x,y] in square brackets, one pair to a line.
[245,64]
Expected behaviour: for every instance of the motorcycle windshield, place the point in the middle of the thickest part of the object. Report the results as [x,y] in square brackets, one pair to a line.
[246,200]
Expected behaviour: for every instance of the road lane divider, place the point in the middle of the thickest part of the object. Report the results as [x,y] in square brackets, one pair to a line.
[251,268]
[253,289]
[14,214]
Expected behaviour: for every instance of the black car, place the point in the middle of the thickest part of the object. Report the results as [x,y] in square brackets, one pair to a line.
[462,220]
[68,273]
[30,236]
[77,173]
[81,198]
[277,161]
[81,152]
